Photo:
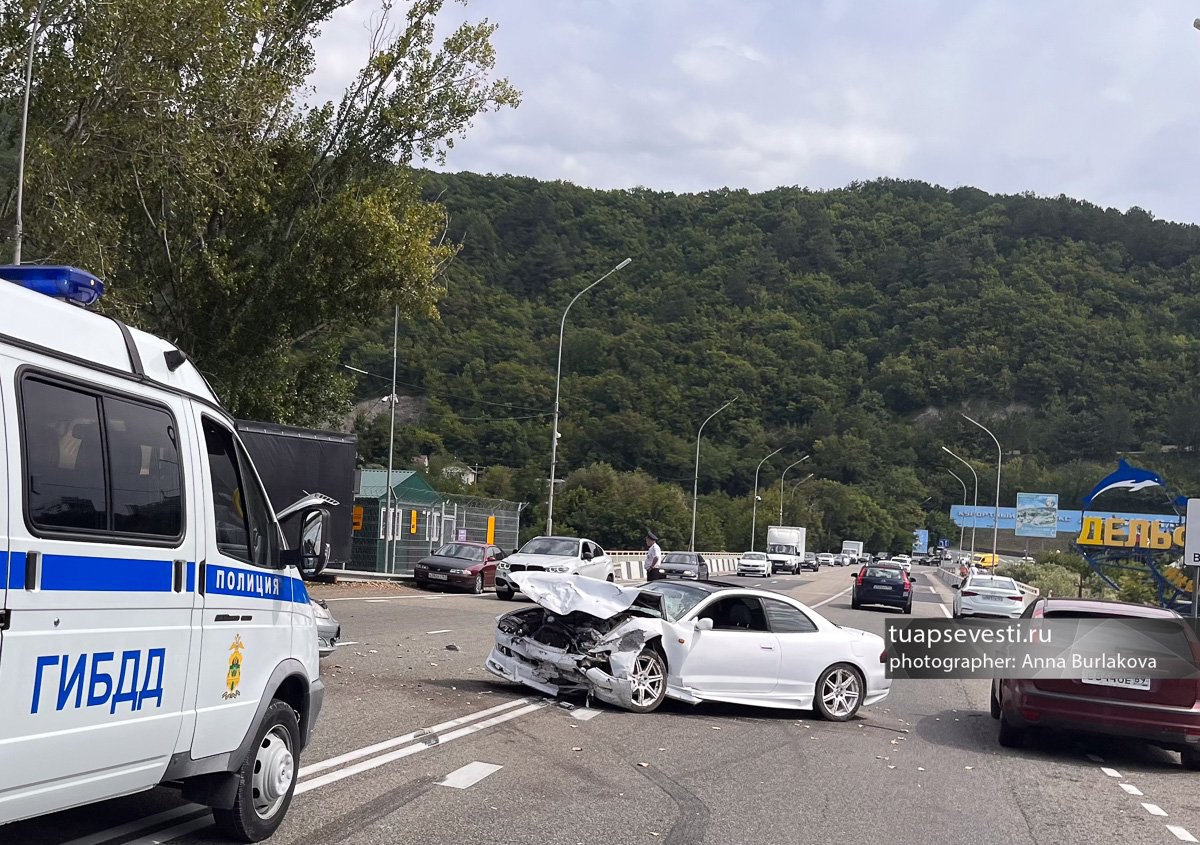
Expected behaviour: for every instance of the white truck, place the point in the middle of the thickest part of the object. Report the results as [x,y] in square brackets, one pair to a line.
[853,549]
[785,548]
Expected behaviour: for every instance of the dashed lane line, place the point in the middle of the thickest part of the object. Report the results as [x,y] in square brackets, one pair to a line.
[1153,809]
[1181,834]
[946,611]
[1131,789]
[1178,832]
[824,602]
[1112,773]
[469,775]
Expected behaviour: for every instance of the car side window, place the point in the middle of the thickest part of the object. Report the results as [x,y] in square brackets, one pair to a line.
[243,524]
[597,551]
[736,613]
[786,619]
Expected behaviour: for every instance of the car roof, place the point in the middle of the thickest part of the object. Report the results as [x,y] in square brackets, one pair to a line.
[1123,608]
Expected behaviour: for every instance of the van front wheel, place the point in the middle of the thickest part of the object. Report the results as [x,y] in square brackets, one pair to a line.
[268,779]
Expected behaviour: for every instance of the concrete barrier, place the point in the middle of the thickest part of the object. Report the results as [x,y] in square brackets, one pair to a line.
[631,566]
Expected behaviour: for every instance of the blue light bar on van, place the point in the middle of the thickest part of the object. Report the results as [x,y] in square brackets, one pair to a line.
[69,283]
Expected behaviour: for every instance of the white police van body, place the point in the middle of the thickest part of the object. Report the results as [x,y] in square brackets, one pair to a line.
[153,628]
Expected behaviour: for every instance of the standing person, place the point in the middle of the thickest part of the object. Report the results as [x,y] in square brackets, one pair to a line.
[653,555]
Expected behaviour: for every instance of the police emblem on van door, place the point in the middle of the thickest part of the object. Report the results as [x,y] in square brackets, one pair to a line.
[233,678]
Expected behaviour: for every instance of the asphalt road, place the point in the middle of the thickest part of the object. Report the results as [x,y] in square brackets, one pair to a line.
[921,766]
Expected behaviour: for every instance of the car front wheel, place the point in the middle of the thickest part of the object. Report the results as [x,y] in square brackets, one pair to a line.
[503,594]
[649,681]
[1010,735]
[267,779]
[477,587]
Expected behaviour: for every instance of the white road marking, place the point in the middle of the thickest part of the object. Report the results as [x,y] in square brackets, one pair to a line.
[134,826]
[583,714]
[1112,773]
[946,611]
[350,642]
[385,598]
[469,775]
[377,601]
[384,759]
[441,631]
[1181,834]
[831,598]
[1153,809]
[1131,789]
[1095,759]
[932,590]
[350,756]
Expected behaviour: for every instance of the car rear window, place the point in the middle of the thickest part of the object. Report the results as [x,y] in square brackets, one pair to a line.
[888,572]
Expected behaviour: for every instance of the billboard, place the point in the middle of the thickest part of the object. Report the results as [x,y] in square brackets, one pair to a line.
[920,542]
[1037,515]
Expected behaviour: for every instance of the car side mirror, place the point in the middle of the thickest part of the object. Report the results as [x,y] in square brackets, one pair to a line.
[853,576]
[704,624]
[955,587]
[311,552]
[586,556]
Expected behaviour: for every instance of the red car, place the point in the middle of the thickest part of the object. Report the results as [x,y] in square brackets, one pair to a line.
[1162,712]
[462,564]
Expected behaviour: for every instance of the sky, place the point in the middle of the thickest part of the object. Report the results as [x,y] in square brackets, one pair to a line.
[1095,99]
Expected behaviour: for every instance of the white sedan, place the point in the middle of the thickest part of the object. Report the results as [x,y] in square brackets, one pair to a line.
[988,595]
[559,555]
[635,646]
[754,563]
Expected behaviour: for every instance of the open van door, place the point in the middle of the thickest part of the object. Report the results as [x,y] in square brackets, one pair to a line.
[5,506]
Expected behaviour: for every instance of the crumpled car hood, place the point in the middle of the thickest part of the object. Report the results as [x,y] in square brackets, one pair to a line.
[564,594]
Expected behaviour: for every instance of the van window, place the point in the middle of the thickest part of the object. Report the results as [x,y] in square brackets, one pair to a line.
[97,463]
[243,524]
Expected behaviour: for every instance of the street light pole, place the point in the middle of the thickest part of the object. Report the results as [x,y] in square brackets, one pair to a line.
[808,477]
[557,384]
[696,476]
[390,543]
[19,223]
[962,528]
[999,461]
[974,473]
[785,472]
[754,509]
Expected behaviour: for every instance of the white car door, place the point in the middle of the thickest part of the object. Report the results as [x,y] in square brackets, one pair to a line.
[804,650]
[738,656]
[603,562]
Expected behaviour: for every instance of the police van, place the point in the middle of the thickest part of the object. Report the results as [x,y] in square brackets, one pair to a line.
[154,622]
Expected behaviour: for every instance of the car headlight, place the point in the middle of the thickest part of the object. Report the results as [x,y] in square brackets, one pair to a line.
[502,566]
[459,572]
[558,569]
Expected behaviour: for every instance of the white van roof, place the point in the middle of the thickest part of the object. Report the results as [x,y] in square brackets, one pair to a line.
[32,319]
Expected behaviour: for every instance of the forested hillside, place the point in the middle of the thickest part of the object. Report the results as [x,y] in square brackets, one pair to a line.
[853,325]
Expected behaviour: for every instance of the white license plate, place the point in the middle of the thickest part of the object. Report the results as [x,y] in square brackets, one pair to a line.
[1125,683]
[438,576]
[884,587]
[992,598]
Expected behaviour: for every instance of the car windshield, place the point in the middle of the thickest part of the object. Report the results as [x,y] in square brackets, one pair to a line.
[556,546]
[461,551]
[997,583]
[679,557]
[781,549]
[678,598]
[754,556]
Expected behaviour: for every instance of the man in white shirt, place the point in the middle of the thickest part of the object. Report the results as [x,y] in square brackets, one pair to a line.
[653,553]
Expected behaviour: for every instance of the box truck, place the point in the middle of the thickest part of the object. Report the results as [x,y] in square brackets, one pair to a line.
[785,548]
[853,549]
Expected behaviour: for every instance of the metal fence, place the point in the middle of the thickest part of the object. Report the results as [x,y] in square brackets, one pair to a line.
[420,524]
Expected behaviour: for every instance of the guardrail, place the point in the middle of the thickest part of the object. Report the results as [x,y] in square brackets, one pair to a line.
[949,574]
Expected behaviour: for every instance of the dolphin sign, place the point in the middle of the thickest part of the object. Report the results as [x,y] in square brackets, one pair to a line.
[1125,477]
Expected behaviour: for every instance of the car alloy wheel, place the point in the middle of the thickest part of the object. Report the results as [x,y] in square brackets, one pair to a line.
[477,588]
[648,681]
[839,693]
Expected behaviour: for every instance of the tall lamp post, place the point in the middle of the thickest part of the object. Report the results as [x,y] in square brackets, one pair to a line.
[974,473]
[557,385]
[785,472]
[808,477]
[999,461]
[696,476]
[19,223]
[962,528]
[754,509]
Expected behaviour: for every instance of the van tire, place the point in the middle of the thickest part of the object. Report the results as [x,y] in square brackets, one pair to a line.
[244,821]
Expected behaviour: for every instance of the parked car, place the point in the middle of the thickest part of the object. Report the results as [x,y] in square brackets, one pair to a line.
[328,629]
[988,595]
[682,565]
[466,565]
[635,646]
[1162,712]
[557,555]
[882,584]
[754,563]
[811,562]
[825,559]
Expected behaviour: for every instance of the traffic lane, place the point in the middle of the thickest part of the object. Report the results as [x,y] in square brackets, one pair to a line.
[1054,782]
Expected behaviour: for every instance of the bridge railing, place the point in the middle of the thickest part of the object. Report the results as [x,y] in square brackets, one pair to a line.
[631,566]
[949,573]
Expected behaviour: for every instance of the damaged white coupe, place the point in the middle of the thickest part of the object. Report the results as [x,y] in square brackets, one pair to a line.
[635,646]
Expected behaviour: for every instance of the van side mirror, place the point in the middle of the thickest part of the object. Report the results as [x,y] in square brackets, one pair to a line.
[704,624]
[310,554]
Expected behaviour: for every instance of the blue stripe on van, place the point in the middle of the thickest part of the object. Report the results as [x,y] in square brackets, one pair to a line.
[62,573]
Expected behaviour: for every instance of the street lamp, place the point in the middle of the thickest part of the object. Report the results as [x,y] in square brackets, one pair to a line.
[808,477]
[19,224]
[557,384]
[974,473]
[999,460]
[962,528]
[802,460]
[754,509]
[696,477]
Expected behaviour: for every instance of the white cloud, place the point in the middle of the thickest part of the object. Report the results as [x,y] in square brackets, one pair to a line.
[1094,98]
